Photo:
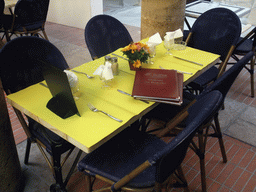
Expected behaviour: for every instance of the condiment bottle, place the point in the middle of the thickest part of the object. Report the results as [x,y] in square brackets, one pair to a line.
[107,59]
[114,66]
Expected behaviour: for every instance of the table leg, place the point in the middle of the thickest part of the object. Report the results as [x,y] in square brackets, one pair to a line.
[59,185]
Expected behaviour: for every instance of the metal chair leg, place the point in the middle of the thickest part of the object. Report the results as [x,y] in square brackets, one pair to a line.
[88,187]
[201,154]
[182,177]
[219,135]
[252,76]
[27,151]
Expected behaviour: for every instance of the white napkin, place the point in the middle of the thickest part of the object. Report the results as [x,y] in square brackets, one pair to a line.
[154,40]
[174,34]
[72,78]
[169,37]
[104,71]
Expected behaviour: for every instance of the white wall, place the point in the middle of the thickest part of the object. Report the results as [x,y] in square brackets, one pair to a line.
[74,13]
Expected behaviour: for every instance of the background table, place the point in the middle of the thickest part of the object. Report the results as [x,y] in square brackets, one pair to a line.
[195,9]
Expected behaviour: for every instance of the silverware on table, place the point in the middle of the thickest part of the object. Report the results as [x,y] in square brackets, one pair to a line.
[131,95]
[188,60]
[89,77]
[178,71]
[43,84]
[120,56]
[94,109]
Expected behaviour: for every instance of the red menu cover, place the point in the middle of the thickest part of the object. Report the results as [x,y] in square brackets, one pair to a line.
[180,88]
[156,84]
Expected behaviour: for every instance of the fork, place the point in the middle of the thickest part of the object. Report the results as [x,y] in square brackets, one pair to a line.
[89,77]
[94,109]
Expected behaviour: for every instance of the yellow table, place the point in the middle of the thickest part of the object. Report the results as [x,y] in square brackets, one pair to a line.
[93,129]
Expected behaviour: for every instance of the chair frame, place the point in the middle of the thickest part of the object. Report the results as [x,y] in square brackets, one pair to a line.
[54,162]
[178,174]
[222,66]
[252,36]
[172,129]
[120,185]
[203,132]
[25,31]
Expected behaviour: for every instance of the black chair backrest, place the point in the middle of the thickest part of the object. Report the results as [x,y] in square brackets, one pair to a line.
[2,5]
[105,34]
[224,82]
[21,64]
[216,31]
[31,11]
[168,159]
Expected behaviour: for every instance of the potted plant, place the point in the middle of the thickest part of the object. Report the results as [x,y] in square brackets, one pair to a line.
[137,53]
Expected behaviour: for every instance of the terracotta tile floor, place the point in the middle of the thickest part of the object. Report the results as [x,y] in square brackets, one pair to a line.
[238,174]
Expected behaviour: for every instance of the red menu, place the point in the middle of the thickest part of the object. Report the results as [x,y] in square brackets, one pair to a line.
[158,85]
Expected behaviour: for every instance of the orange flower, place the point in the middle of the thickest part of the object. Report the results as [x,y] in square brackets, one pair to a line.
[137,64]
[133,47]
[146,48]
[126,48]
[136,52]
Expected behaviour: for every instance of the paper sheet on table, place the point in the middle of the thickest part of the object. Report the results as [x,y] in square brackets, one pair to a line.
[104,71]
[72,78]
[154,40]
[174,34]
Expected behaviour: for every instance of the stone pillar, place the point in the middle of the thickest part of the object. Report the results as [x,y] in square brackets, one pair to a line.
[161,16]
[11,178]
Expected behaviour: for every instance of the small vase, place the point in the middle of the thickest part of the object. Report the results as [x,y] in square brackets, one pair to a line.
[132,68]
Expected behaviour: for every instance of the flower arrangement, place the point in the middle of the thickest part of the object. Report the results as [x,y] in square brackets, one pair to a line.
[137,53]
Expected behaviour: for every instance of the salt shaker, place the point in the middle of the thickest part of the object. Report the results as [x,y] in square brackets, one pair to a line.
[107,59]
[114,66]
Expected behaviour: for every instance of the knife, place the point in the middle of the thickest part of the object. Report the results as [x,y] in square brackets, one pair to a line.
[188,60]
[131,95]
[43,84]
[178,71]
[120,56]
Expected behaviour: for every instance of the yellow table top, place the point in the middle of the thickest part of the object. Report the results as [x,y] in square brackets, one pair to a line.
[93,129]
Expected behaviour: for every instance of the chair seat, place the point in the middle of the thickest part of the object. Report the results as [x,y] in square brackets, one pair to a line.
[208,76]
[41,133]
[245,47]
[7,23]
[114,160]
[29,27]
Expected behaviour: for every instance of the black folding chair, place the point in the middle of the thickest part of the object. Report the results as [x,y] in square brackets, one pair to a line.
[135,160]
[105,34]
[244,46]
[28,19]
[216,31]
[21,66]
[173,115]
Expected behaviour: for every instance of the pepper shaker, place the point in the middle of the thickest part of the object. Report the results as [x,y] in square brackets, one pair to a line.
[114,66]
